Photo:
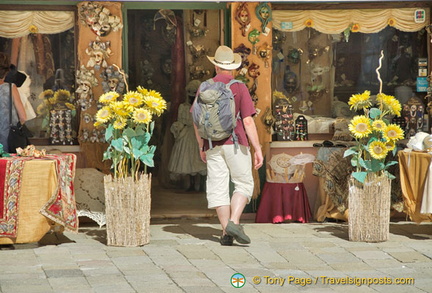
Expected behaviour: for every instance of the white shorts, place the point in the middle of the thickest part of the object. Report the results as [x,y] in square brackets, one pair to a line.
[225,161]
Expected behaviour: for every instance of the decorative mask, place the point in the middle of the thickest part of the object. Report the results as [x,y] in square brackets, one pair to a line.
[253,38]
[244,53]
[99,18]
[263,12]
[294,55]
[243,17]
[264,52]
[112,80]
[98,51]
[290,80]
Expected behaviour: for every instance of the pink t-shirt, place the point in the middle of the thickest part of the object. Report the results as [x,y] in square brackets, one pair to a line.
[244,105]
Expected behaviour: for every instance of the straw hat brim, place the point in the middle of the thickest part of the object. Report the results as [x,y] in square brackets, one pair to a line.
[236,64]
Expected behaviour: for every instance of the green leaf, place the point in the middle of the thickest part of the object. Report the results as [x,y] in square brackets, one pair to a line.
[109,132]
[147,159]
[118,144]
[350,152]
[360,176]
[374,113]
[137,142]
[391,163]
[152,127]
[364,164]
[106,155]
[376,165]
[129,133]
[389,175]
[354,161]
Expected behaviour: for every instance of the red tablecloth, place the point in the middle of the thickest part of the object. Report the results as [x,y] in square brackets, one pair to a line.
[283,201]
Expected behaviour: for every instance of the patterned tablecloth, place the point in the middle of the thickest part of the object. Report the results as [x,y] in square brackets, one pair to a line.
[35,195]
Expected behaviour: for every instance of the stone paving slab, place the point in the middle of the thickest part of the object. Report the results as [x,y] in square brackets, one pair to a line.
[185,256]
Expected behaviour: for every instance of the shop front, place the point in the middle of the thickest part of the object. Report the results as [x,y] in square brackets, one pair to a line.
[300,61]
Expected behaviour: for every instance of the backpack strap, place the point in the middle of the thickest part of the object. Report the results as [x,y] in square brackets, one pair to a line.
[234,136]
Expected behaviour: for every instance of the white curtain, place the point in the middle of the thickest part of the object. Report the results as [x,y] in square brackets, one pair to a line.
[15,24]
[336,21]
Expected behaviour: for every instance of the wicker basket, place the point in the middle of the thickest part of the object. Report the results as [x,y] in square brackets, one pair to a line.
[127,204]
[369,209]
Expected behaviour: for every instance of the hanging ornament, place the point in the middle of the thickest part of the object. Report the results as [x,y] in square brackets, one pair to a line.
[264,52]
[243,17]
[253,72]
[253,38]
[263,12]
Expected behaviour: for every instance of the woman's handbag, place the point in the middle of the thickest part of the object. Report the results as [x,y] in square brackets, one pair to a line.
[17,133]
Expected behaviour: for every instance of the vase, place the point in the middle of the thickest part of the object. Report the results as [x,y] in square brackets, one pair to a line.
[369,209]
[127,208]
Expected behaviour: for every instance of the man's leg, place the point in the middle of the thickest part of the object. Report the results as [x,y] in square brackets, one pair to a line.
[223,213]
[238,203]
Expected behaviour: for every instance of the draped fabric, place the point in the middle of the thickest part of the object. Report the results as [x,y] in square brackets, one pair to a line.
[368,20]
[15,24]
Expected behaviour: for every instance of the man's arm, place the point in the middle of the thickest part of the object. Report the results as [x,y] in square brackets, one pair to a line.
[251,131]
[200,144]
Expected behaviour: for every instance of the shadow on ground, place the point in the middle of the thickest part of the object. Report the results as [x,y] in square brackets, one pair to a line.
[410,230]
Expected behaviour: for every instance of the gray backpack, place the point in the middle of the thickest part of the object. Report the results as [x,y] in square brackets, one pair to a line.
[214,111]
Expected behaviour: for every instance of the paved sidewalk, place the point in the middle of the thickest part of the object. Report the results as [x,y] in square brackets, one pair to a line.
[185,256]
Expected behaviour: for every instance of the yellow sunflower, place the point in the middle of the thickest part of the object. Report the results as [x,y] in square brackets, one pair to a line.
[62,95]
[378,150]
[104,114]
[360,101]
[70,106]
[119,123]
[391,22]
[108,97]
[309,23]
[46,94]
[133,99]
[379,125]
[360,126]
[141,115]
[393,132]
[156,104]
[390,145]
[119,108]
[355,28]
[389,103]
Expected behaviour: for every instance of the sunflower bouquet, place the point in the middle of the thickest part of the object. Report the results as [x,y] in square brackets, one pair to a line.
[376,137]
[129,124]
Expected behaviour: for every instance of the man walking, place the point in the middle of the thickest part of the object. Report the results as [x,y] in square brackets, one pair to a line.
[231,157]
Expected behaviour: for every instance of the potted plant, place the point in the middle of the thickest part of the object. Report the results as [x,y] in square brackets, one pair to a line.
[370,183]
[129,124]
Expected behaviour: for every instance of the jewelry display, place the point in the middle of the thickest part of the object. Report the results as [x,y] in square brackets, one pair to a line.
[243,18]
[301,128]
[283,113]
[268,119]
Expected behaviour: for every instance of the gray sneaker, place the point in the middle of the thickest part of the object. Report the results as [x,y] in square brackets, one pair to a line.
[236,231]
[226,240]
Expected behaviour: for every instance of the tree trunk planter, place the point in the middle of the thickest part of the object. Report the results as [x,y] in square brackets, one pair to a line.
[128,210]
[369,209]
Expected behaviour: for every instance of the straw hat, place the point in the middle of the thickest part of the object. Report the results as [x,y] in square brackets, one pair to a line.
[225,58]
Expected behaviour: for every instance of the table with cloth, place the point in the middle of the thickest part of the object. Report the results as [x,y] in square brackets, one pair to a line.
[416,184]
[36,196]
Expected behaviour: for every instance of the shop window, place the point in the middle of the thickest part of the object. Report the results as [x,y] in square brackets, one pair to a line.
[314,70]
[46,53]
